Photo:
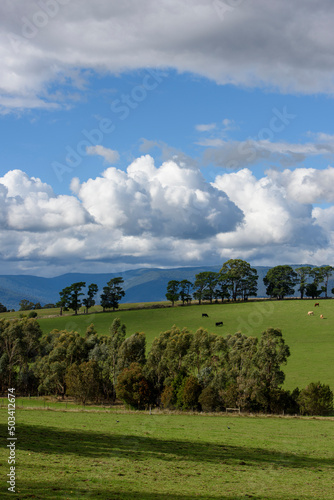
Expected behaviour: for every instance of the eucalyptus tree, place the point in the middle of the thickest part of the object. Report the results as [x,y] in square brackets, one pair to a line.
[303,273]
[82,381]
[117,334]
[185,287]
[316,399]
[173,293]
[132,350]
[201,351]
[280,281]
[211,279]
[240,388]
[19,347]
[89,300]
[205,285]
[167,356]
[70,297]
[240,278]
[322,275]
[112,293]
[272,352]
[61,349]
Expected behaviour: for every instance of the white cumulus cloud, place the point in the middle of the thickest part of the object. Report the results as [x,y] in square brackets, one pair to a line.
[170,200]
[274,221]
[28,204]
[166,215]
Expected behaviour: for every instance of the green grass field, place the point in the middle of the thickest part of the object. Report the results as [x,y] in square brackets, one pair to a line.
[50,313]
[75,455]
[311,339]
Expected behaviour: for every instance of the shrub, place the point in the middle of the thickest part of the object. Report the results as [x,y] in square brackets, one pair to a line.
[32,314]
[82,381]
[209,399]
[284,401]
[230,395]
[168,397]
[133,388]
[190,393]
[316,399]
[178,385]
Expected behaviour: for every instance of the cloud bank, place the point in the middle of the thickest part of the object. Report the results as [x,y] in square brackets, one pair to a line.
[166,215]
[285,46]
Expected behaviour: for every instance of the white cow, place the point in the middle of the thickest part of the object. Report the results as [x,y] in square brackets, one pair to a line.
[310,313]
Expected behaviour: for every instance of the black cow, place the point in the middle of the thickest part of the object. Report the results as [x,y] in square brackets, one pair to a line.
[204,315]
[220,323]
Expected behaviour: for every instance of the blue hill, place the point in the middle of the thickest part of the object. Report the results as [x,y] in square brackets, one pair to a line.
[140,285]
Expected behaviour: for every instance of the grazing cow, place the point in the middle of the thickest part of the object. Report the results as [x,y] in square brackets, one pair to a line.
[310,313]
[317,304]
[321,316]
[204,315]
[220,323]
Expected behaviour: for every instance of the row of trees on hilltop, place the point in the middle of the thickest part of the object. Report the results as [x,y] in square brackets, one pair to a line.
[71,297]
[182,370]
[311,281]
[237,279]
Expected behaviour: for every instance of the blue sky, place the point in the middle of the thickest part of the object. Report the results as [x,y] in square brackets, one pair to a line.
[165,134]
[169,114]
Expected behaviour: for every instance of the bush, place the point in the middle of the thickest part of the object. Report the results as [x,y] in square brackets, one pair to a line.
[190,393]
[178,385]
[32,314]
[82,381]
[168,397]
[284,401]
[133,388]
[316,399]
[209,399]
[230,396]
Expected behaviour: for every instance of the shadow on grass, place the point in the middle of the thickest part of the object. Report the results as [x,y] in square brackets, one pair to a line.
[94,444]
[54,491]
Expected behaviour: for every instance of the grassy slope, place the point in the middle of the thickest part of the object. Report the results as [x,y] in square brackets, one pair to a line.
[66,455]
[311,340]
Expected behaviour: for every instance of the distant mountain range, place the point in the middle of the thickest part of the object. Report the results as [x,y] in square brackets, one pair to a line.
[140,285]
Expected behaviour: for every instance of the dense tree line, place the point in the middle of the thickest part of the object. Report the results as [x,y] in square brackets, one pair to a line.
[235,280]
[182,370]
[238,280]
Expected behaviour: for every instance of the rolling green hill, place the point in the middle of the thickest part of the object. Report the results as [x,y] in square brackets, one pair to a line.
[311,339]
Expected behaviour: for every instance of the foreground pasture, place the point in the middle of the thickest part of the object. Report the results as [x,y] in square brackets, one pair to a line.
[311,339]
[74,455]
